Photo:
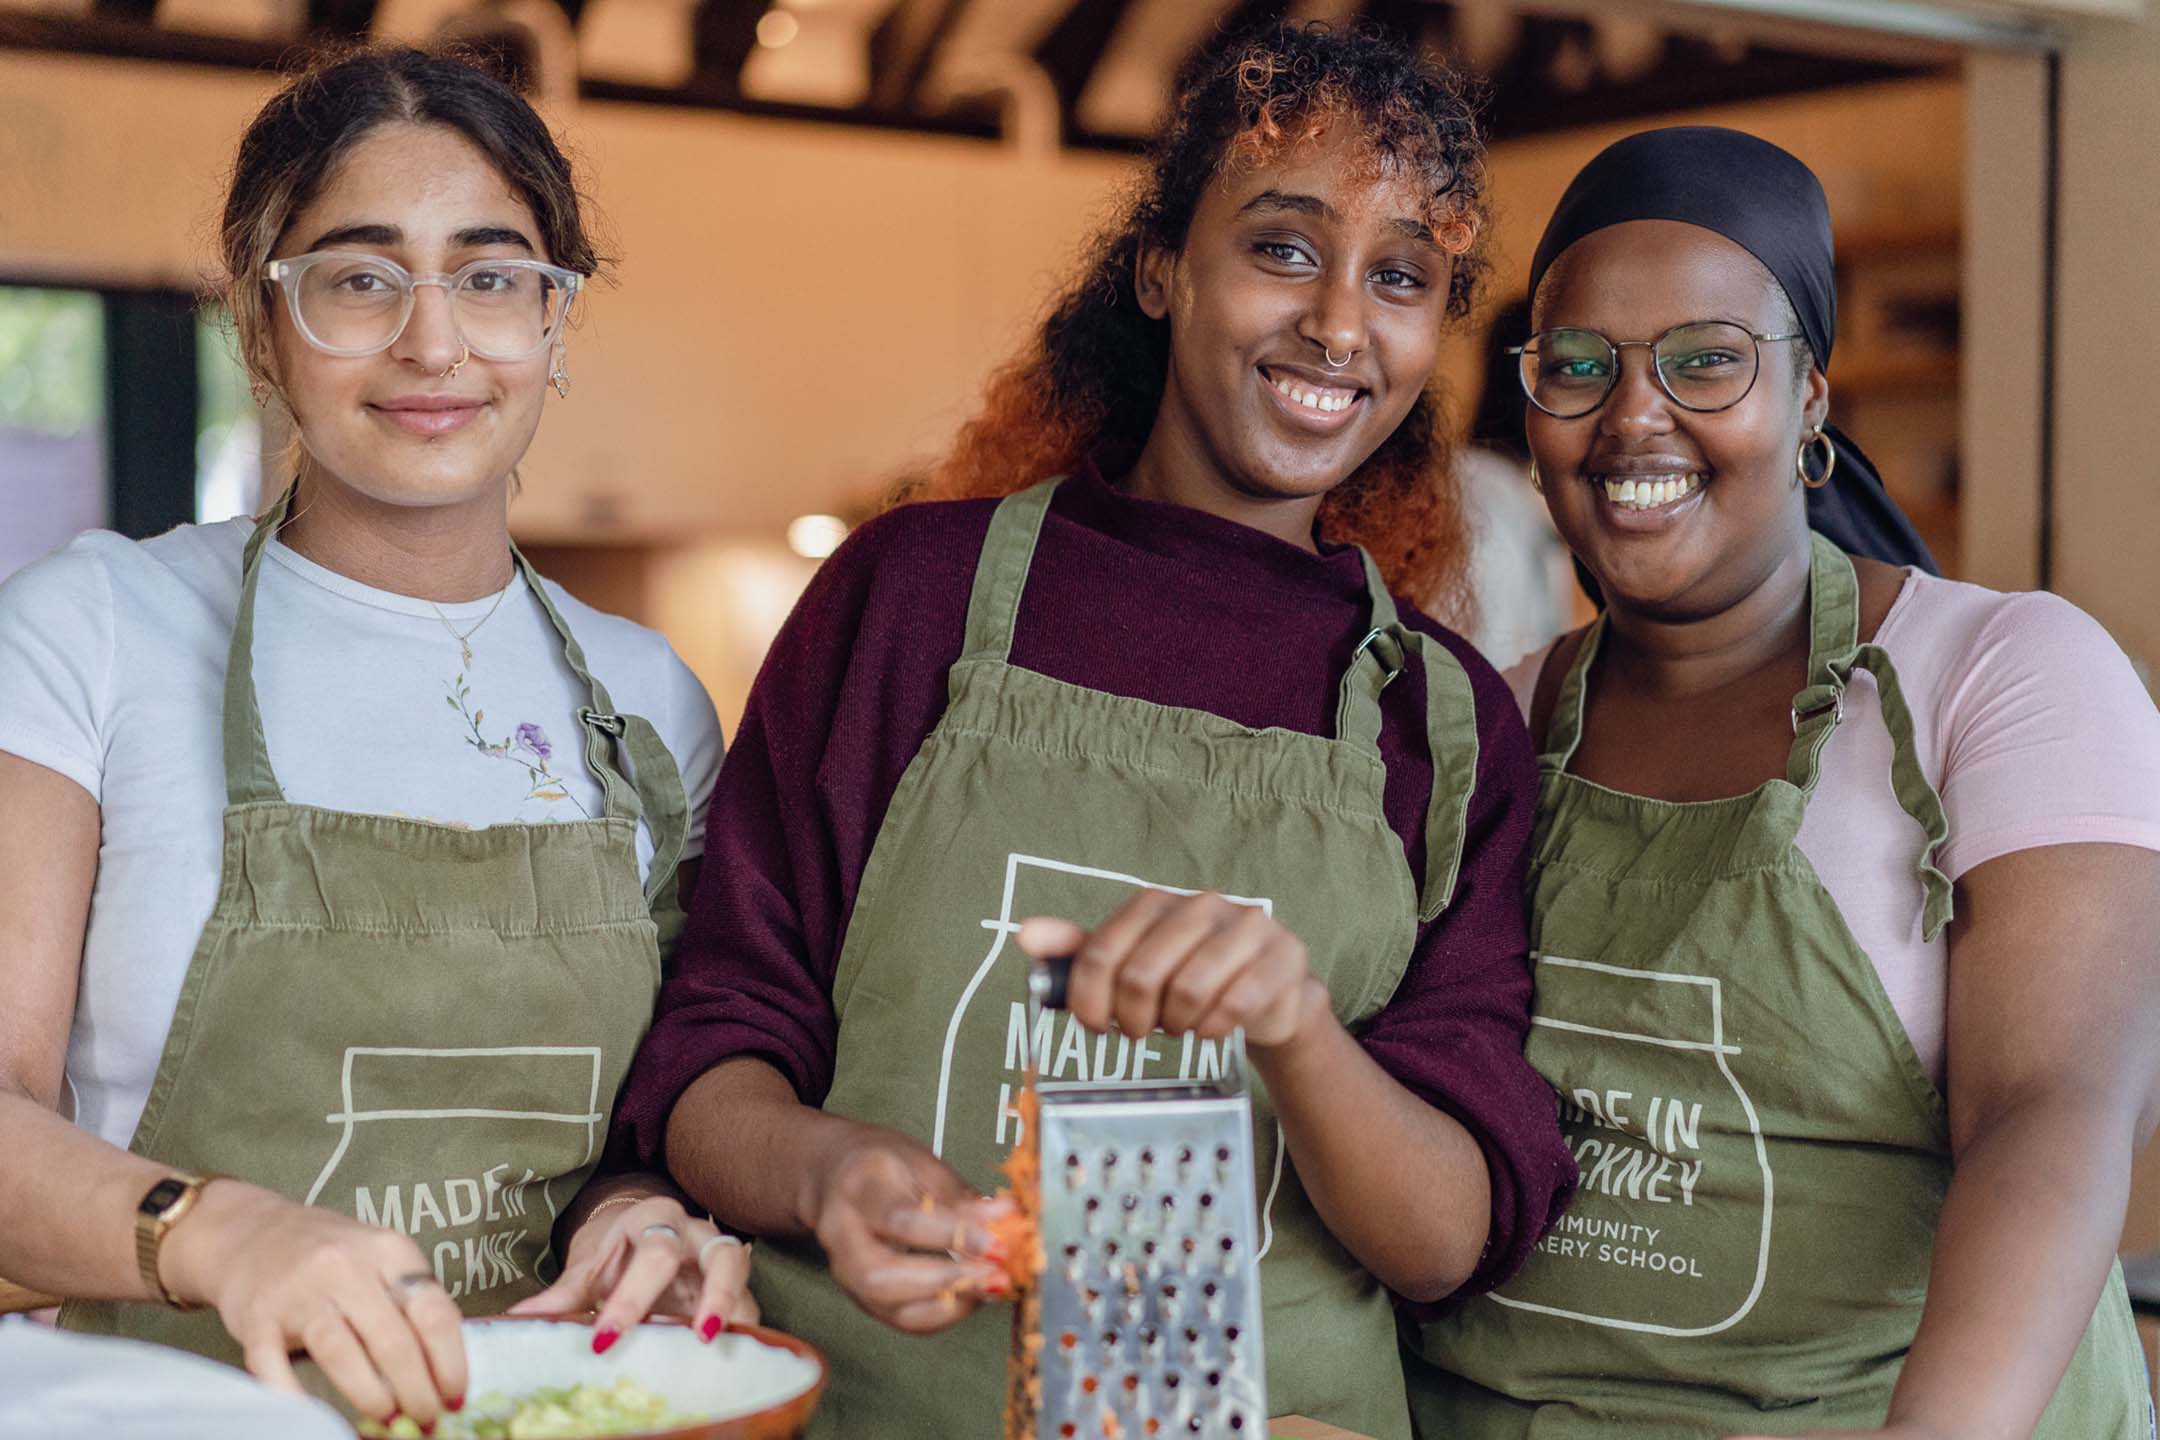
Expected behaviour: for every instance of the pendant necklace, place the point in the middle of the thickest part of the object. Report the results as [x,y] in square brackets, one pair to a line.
[465,640]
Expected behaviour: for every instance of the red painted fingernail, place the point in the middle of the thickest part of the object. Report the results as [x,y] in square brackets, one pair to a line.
[603,1338]
[997,1284]
[455,1403]
[428,1429]
[710,1327]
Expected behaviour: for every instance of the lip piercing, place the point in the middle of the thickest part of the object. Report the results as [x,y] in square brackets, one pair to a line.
[464,355]
[1332,362]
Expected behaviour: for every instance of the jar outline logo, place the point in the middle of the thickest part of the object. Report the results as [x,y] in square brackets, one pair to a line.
[1719,1051]
[349,1118]
[1003,927]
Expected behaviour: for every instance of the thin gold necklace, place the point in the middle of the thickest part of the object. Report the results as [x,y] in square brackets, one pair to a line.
[465,640]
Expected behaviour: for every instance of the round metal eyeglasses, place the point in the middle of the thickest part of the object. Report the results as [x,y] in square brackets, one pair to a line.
[1707,366]
[348,303]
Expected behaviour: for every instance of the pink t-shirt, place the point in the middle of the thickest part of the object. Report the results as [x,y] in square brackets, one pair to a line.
[2031,725]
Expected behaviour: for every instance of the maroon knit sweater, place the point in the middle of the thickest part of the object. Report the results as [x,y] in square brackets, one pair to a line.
[1139,598]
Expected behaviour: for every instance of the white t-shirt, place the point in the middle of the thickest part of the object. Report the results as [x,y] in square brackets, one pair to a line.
[2032,727]
[112,671]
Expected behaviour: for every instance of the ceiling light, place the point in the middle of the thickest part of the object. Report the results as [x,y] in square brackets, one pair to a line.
[816,536]
[776,28]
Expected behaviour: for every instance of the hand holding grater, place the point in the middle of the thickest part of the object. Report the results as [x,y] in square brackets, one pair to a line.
[1146,1320]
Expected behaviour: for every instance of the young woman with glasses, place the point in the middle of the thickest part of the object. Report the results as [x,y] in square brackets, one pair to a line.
[330,1066]
[1119,700]
[1843,893]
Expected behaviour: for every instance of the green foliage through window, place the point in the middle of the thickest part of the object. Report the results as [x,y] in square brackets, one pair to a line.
[52,360]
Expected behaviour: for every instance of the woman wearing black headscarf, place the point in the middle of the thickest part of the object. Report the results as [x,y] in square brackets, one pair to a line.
[1843,891]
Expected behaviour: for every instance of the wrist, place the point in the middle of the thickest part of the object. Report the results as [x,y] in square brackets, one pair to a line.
[194,1249]
[1316,1023]
[829,1137]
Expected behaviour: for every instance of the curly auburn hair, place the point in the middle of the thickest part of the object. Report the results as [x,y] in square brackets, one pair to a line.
[1088,385]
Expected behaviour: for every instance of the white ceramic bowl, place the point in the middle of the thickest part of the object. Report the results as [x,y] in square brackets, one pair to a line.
[747,1384]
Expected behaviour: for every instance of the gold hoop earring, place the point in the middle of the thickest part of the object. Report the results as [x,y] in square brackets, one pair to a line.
[1537,481]
[1829,460]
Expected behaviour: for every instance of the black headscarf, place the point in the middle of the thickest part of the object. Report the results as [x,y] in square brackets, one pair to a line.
[1771,205]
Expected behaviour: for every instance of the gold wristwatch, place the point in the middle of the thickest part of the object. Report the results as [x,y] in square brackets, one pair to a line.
[161,1208]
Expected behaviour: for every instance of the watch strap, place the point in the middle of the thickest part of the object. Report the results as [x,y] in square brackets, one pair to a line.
[163,1206]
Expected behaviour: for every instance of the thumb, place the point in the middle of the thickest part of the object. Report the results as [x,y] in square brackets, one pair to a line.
[1044,937]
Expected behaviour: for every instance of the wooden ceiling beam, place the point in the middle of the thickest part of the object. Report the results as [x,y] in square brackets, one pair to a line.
[1074,48]
[903,47]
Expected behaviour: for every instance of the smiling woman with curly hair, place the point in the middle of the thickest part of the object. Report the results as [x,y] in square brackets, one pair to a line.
[1088,388]
[1116,700]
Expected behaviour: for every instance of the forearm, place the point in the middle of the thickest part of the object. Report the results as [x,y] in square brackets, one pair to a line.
[2027,1233]
[1401,1184]
[746,1149]
[70,1200]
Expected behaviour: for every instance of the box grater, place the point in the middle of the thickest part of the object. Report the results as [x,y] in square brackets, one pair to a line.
[1148,1313]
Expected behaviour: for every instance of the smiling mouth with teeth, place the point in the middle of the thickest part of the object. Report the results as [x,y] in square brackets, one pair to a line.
[1322,399]
[1649,494]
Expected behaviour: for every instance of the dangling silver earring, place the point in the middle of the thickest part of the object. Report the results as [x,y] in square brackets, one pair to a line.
[560,380]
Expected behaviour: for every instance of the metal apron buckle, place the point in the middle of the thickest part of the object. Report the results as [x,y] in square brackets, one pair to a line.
[1836,709]
[609,724]
[1394,666]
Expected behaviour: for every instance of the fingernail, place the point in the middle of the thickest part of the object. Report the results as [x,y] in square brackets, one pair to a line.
[710,1327]
[603,1338]
[996,1283]
[455,1403]
[428,1428]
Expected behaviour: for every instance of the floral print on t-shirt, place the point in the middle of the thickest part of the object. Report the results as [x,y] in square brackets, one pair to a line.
[526,747]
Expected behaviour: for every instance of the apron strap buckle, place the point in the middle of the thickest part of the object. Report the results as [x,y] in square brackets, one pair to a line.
[1834,707]
[1386,648]
[607,724]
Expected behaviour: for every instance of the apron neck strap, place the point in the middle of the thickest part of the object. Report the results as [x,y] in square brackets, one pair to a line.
[1450,727]
[249,780]
[1001,572]
[1563,730]
[653,791]
[1834,653]
[656,796]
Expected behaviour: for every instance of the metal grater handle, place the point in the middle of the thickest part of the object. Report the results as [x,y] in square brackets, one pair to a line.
[1049,982]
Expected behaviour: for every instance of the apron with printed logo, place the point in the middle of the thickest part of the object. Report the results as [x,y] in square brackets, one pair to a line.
[1763,1155]
[418,1025]
[1035,797]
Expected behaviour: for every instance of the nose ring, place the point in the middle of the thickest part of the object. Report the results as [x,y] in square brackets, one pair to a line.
[465,353]
[1332,362]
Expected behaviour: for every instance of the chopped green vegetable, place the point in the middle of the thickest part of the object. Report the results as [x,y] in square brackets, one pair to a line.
[625,1407]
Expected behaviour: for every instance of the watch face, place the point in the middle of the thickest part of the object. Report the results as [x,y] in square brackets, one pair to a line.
[163,1195]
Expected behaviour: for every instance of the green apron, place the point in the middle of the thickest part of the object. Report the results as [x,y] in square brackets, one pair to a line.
[1035,797]
[417,1024]
[1763,1154]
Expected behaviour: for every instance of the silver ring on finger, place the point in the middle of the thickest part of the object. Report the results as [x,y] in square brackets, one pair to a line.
[704,1251]
[660,1229]
[403,1287]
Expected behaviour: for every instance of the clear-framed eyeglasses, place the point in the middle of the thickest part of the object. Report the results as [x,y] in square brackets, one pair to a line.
[349,303]
[1707,366]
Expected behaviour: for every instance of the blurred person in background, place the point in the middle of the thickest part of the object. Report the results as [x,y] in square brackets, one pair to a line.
[336,861]
[1522,580]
